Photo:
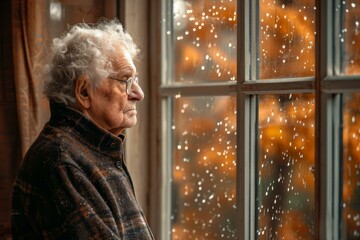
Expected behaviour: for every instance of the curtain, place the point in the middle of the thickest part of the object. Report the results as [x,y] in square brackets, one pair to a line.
[29,37]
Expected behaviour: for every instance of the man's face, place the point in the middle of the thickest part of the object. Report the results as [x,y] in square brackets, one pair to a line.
[110,106]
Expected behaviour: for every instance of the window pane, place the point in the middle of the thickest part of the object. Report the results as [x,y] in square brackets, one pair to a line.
[286,39]
[204,35]
[350,37]
[351,167]
[286,153]
[204,168]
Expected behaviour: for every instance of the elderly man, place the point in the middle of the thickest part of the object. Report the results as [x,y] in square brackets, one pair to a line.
[73,183]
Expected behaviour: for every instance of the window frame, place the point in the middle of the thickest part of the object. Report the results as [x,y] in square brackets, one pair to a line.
[325,84]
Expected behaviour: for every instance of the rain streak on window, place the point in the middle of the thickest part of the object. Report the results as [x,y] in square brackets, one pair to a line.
[204,168]
[204,36]
[351,167]
[349,36]
[286,39]
[285,167]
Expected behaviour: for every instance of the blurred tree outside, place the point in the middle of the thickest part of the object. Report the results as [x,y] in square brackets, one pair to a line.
[204,128]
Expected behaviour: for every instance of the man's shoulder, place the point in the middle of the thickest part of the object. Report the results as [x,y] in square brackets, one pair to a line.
[52,147]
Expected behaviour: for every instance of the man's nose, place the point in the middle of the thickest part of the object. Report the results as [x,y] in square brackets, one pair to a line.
[136,93]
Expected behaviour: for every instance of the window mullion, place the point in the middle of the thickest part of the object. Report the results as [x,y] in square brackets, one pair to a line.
[341,85]
[167,70]
[166,169]
[326,224]
[335,115]
[246,167]
[246,109]
[204,89]
[305,85]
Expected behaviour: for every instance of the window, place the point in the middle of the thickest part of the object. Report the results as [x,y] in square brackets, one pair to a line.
[260,119]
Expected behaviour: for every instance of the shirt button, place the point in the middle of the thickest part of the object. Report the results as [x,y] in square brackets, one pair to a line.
[112,144]
[118,164]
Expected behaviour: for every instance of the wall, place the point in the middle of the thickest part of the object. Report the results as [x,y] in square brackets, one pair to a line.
[137,144]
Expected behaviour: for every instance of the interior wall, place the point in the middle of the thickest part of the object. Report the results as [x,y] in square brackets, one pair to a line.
[137,144]
[142,21]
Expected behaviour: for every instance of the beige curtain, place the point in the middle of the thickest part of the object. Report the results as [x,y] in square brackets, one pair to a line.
[29,35]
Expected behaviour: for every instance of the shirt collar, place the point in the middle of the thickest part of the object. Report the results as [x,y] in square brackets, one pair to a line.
[74,121]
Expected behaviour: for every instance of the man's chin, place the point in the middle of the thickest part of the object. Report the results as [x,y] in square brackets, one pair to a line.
[130,122]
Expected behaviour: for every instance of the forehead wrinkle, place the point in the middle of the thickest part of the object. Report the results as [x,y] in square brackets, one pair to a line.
[123,64]
[126,70]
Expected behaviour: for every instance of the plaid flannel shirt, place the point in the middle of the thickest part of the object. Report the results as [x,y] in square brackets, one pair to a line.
[73,184]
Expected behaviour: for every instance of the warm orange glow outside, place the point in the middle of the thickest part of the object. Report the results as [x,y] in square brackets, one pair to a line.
[204,167]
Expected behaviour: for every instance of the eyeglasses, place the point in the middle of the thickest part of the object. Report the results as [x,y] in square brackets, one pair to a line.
[129,82]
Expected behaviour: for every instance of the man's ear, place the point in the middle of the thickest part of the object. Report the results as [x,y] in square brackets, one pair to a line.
[82,89]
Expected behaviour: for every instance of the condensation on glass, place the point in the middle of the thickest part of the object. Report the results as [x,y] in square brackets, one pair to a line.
[285,195]
[204,168]
[349,36]
[350,224]
[204,39]
[286,39]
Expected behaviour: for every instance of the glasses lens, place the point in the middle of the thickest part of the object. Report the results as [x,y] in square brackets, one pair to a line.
[128,85]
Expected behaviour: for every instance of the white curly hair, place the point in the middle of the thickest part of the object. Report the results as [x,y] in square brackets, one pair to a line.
[83,49]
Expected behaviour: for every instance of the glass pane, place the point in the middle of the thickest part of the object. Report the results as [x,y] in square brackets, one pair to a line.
[286,157]
[286,39]
[204,168]
[204,35]
[350,37]
[351,167]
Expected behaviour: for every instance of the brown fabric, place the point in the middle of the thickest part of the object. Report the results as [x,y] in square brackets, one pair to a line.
[8,120]
[29,33]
